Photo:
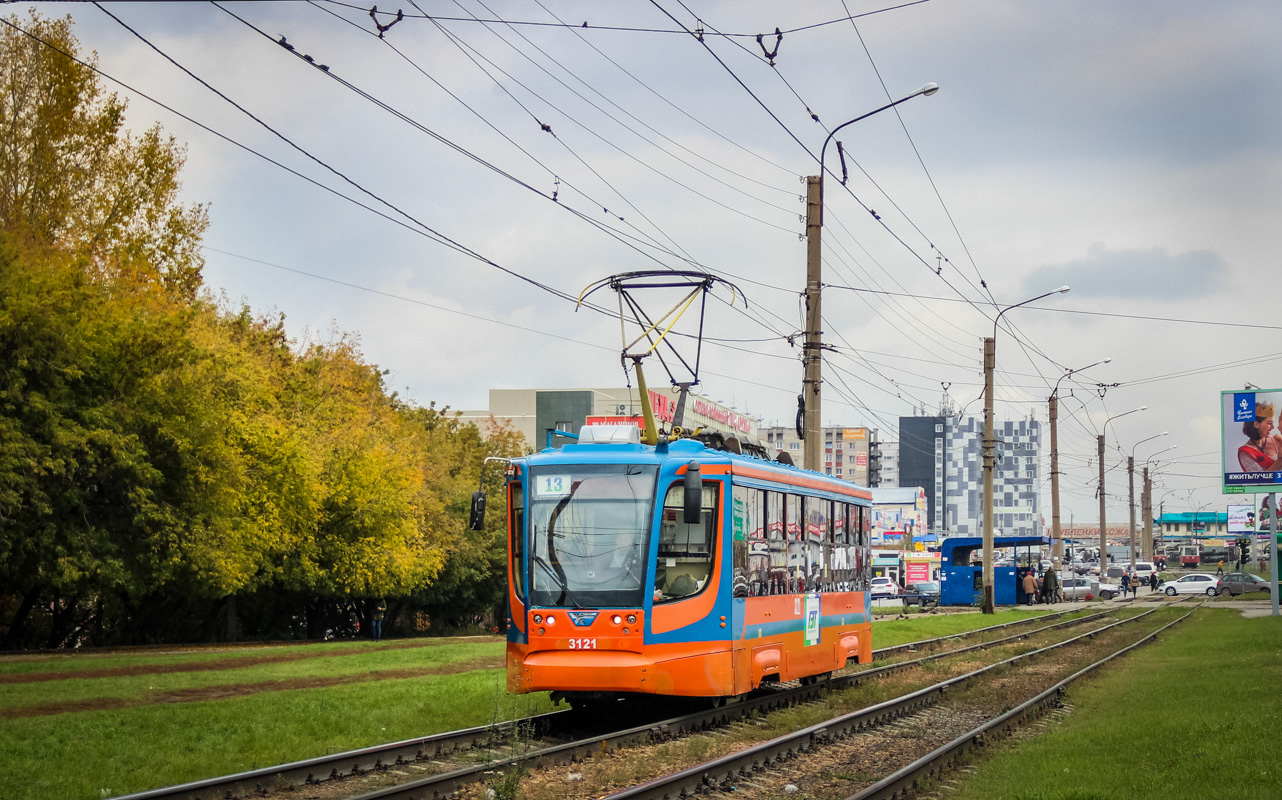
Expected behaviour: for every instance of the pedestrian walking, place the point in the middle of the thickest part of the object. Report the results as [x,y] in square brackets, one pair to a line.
[1030,587]
[1050,586]
[1126,583]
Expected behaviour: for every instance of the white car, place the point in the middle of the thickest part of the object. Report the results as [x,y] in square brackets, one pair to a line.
[884,587]
[1195,583]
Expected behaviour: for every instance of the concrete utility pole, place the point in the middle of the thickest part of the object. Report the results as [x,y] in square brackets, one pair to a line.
[1130,472]
[813,457]
[990,357]
[1103,524]
[1054,417]
[1056,542]
[1146,504]
[812,349]
[990,445]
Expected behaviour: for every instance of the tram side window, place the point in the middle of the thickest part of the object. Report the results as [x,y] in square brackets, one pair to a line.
[686,550]
[776,545]
[836,557]
[827,578]
[805,555]
[751,562]
[516,512]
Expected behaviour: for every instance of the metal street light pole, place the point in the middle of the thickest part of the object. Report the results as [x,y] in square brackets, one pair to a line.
[812,349]
[990,362]
[1058,543]
[1103,523]
[1130,471]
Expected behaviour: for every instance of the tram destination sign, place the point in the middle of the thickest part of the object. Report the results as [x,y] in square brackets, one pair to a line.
[1251,433]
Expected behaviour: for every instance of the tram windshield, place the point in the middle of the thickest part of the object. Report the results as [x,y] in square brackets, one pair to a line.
[589,534]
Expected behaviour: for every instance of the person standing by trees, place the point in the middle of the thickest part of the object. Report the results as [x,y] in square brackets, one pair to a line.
[376,618]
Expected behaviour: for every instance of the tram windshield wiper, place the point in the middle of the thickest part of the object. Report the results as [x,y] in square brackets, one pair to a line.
[560,581]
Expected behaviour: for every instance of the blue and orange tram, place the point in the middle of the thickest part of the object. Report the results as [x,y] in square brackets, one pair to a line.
[678,568]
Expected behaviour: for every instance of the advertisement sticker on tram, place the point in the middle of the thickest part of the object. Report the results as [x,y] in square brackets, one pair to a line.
[1252,440]
[812,619]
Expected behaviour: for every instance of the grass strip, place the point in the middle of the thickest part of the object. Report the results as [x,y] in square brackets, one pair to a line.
[141,687]
[886,633]
[1195,714]
[106,753]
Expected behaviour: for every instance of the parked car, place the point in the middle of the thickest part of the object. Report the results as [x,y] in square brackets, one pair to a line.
[927,591]
[1243,582]
[1144,570]
[1195,583]
[1075,588]
[884,587]
[1107,591]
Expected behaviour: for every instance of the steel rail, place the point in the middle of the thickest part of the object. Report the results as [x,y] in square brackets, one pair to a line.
[568,753]
[339,765]
[728,768]
[357,762]
[898,784]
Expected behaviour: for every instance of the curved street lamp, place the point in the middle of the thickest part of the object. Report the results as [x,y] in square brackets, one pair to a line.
[811,350]
[1146,503]
[1103,525]
[1130,476]
[990,362]
[1058,543]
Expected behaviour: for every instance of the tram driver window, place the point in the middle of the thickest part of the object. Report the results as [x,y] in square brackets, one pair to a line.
[685,550]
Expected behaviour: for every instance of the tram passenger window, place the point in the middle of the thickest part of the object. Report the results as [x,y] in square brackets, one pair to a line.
[807,568]
[826,568]
[686,550]
[777,545]
[749,532]
[516,512]
[836,558]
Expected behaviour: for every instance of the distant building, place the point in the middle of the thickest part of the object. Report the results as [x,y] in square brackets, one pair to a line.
[536,413]
[889,464]
[944,455]
[1015,478]
[852,454]
[898,514]
[923,455]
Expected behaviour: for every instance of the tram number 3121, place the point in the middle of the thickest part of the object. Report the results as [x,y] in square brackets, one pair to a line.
[583,644]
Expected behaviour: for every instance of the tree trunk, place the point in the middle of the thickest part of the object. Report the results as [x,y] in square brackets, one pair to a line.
[17,625]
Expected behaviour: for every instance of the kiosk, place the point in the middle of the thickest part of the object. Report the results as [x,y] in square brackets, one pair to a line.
[961,582]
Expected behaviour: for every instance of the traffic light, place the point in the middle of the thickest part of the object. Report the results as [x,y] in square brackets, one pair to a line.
[1244,547]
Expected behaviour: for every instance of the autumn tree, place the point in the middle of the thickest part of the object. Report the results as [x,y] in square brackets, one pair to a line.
[72,177]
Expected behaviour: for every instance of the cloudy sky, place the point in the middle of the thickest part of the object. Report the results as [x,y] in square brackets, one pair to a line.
[1128,150]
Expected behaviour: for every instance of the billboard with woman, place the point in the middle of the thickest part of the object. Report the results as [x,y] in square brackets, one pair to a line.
[1252,436]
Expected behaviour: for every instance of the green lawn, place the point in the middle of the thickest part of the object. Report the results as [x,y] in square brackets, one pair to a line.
[889,632]
[95,754]
[143,686]
[1196,715]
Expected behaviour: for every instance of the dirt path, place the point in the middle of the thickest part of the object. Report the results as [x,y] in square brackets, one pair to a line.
[233,690]
[224,663]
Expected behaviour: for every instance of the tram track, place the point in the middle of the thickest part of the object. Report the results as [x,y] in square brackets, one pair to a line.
[437,765]
[862,749]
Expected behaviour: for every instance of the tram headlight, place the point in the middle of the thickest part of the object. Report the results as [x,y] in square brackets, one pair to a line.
[551,620]
[616,619]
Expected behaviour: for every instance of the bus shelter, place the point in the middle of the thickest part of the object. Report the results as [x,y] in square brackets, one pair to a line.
[961,577]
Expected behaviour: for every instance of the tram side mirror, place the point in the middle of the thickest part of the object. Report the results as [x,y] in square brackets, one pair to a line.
[693,505]
[476,521]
